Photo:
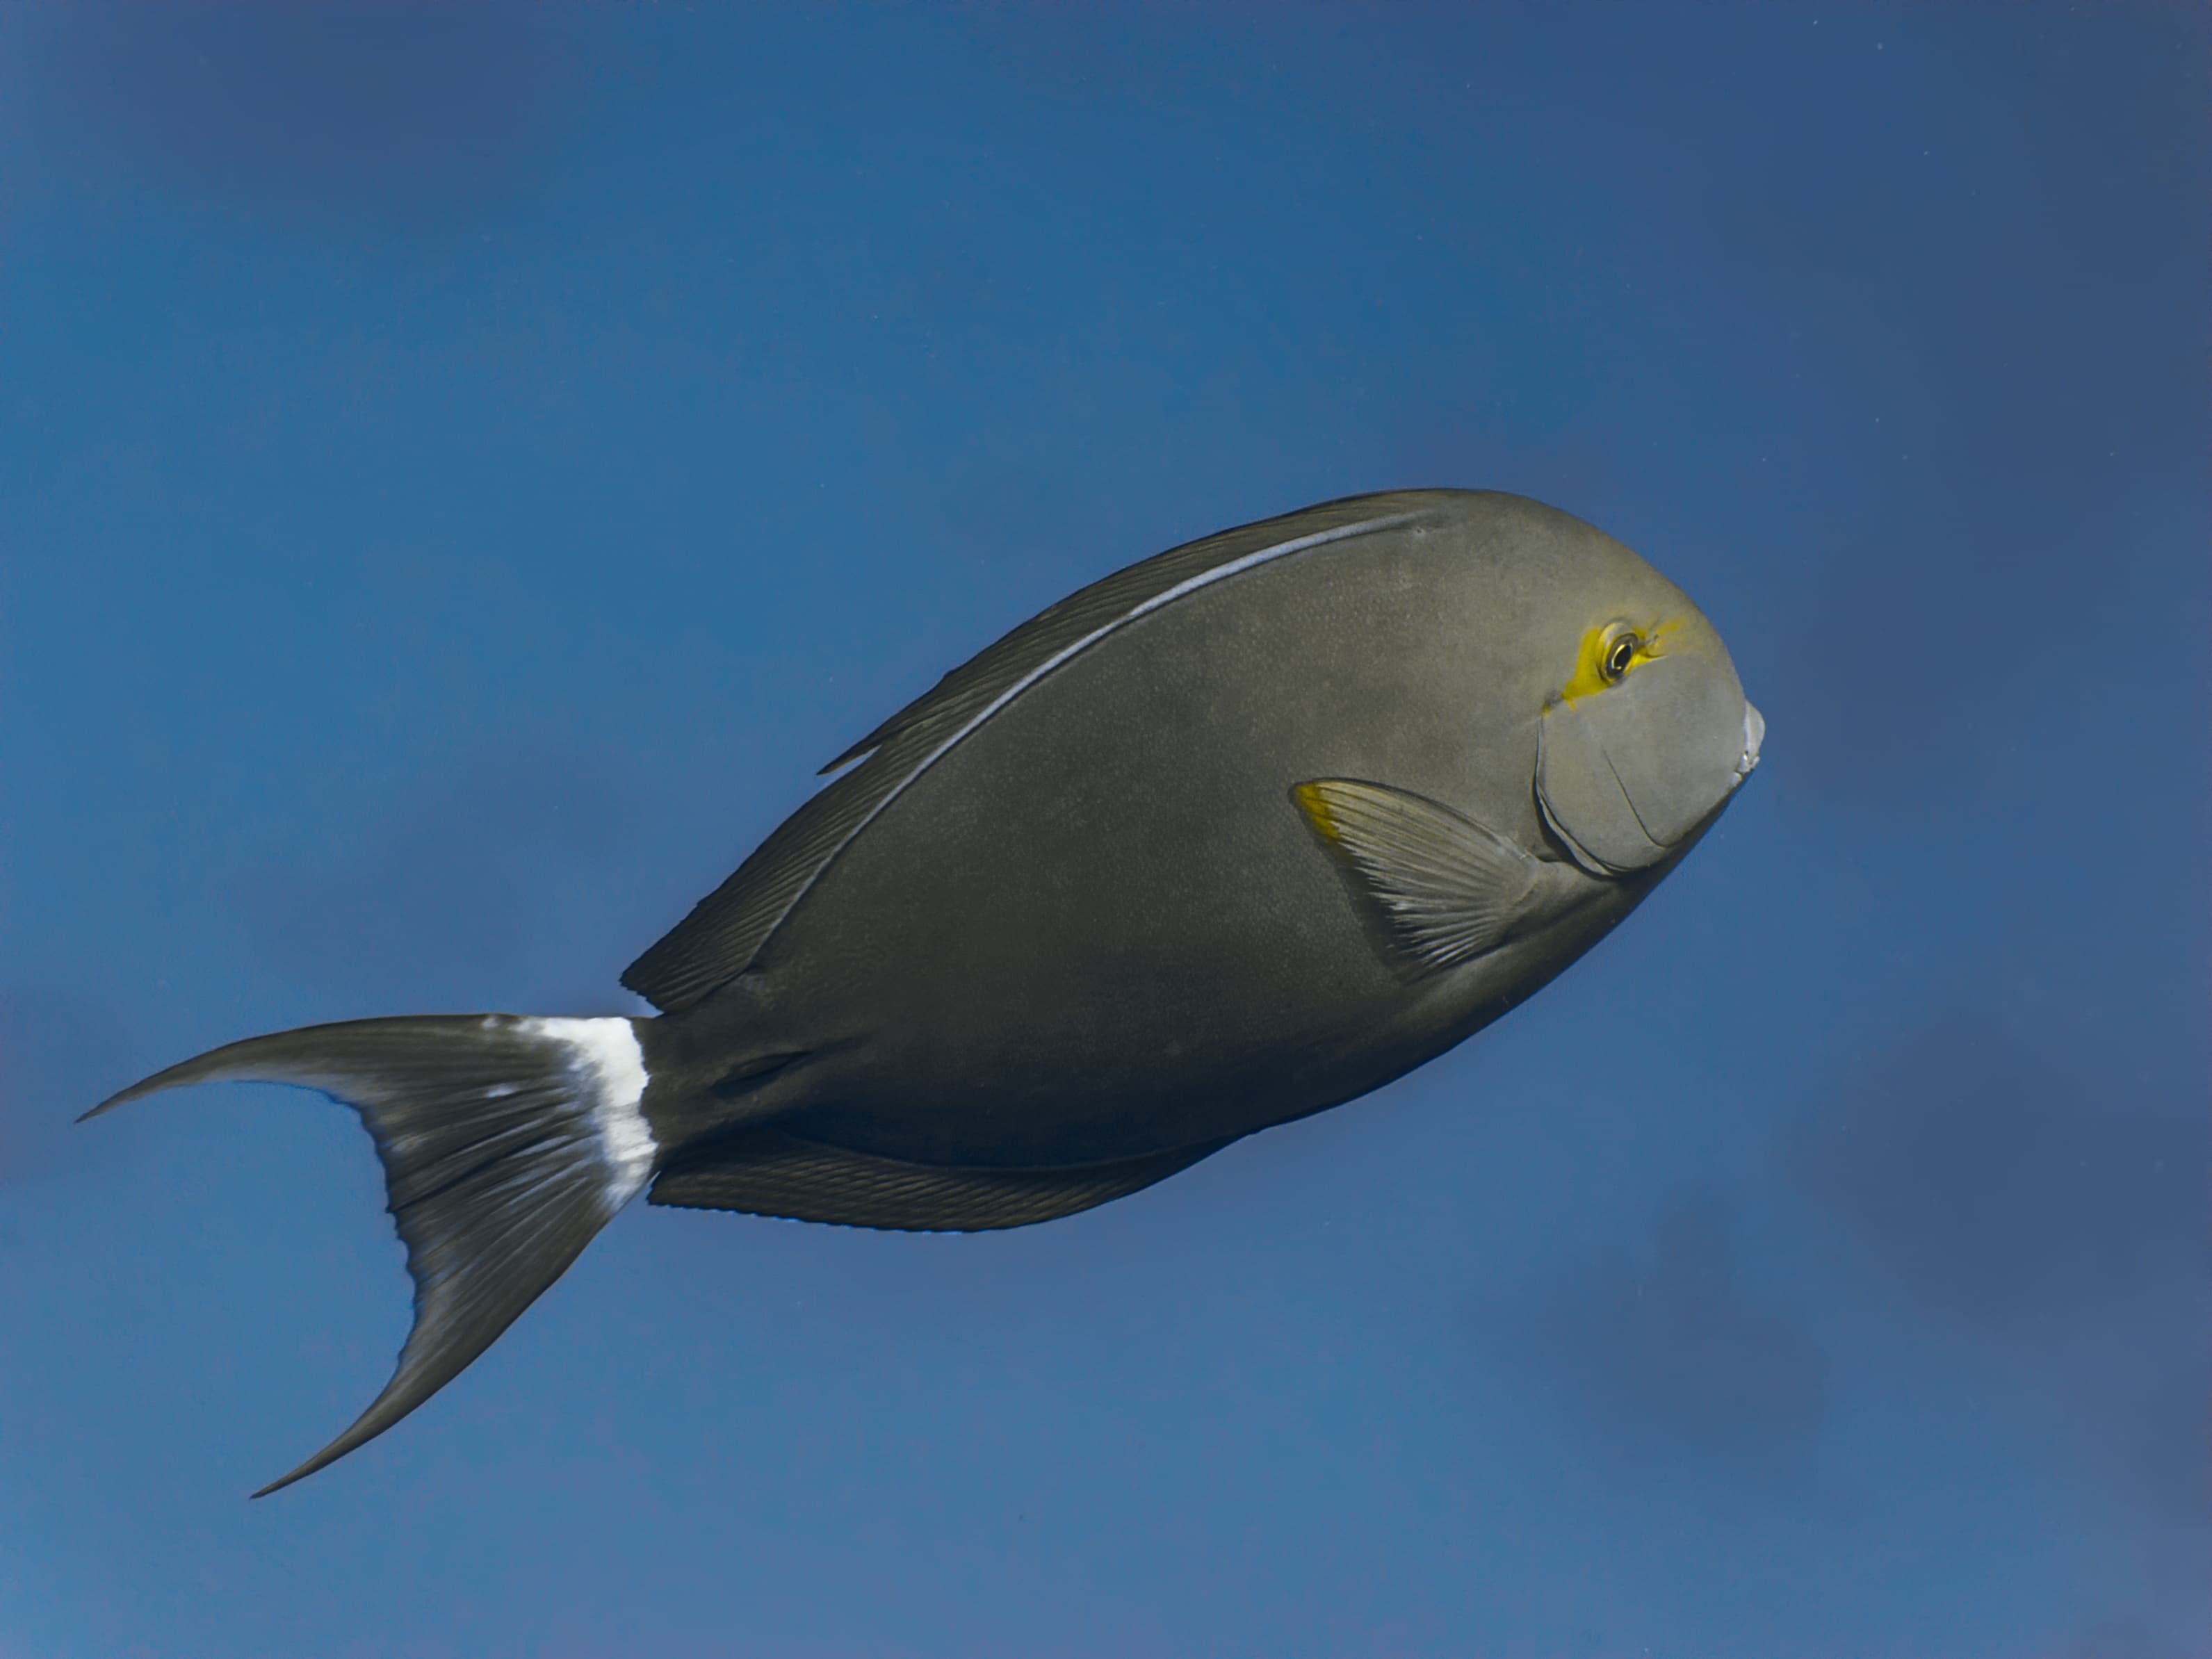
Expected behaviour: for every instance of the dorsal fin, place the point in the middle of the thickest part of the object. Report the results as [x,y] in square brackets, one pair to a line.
[764,1172]
[726,929]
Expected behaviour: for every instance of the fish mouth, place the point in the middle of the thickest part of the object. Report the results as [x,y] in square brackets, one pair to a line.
[1754,733]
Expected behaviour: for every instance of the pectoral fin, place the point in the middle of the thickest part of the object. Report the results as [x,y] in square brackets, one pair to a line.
[1442,887]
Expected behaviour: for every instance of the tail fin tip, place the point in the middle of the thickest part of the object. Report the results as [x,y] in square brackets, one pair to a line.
[507,1141]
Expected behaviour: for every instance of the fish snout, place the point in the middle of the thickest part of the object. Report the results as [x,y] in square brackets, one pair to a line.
[1754,733]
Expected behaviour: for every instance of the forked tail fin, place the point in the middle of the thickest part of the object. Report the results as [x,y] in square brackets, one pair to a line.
[507,1142]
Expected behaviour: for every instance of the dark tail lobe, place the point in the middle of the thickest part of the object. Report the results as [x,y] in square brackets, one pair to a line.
[507,1142]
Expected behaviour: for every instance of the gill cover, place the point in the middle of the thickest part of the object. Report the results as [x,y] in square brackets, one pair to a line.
[1623,774]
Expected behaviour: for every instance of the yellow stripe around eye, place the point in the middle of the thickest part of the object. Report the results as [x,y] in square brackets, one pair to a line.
[1588,678]
[1588,681]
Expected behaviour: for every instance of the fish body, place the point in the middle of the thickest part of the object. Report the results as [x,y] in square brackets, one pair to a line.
[1098,926]
[1231,837]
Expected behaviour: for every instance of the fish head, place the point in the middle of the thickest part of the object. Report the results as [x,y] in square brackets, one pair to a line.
[1647,734]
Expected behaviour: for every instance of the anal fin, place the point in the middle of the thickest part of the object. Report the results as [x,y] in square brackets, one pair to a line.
[765,1171]
[1440,888]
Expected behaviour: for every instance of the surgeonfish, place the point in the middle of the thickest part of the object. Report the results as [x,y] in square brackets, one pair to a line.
[1231,836]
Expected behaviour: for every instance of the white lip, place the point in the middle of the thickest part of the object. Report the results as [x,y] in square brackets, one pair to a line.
[1754,733]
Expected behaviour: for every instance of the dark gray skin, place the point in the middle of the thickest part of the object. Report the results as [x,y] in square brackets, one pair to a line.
[1233,835]
[1099,926]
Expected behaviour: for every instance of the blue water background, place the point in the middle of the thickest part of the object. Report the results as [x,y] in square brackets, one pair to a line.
[461,470]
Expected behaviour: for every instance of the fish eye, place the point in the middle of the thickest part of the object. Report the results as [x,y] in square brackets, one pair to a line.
[1619,653]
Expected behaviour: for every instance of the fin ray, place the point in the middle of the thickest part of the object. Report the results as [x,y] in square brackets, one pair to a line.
[1442,888]
[506,1142]
[765,1171]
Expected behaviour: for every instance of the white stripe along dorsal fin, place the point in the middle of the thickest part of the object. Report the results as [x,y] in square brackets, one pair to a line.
[726,929]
